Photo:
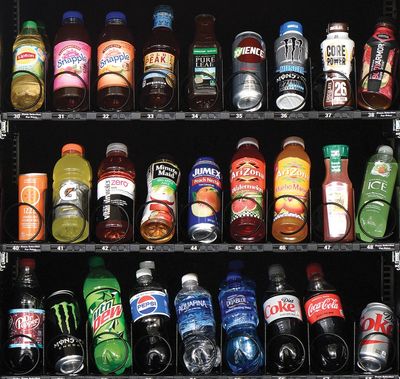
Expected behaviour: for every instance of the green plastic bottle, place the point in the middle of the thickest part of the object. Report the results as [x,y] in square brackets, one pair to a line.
[379,181]
[102,293]
[72,181]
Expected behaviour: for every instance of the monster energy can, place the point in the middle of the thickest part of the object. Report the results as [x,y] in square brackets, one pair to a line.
[65,350]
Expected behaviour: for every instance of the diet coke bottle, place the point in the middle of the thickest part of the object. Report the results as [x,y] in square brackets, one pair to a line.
[328,348]
[285,328]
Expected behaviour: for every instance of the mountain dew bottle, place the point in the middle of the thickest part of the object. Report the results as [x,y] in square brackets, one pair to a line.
[112,352]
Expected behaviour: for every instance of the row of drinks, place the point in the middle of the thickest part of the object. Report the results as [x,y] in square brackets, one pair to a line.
[115,85]
[72,182]
[150,310]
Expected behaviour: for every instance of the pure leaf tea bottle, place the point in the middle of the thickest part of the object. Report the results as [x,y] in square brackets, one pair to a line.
[205,65]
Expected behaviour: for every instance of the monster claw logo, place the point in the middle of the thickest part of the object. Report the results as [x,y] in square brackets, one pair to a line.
[70,312]
[293,49]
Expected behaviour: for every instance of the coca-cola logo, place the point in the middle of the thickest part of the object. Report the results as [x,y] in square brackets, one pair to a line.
[322,306]
[27,322]
[378,323]
[249,50]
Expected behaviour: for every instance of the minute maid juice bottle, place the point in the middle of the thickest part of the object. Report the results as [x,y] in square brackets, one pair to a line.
[102,293]
[72,180]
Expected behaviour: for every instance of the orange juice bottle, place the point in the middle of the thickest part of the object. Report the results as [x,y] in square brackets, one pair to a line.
[291,190]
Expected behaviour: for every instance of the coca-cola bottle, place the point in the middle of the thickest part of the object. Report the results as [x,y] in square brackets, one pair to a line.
[25,321]
[285,328]
[329,350]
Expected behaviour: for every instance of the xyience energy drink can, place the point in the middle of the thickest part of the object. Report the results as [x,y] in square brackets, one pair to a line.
[205,189]
[376,329]
[248,51]
[32,190]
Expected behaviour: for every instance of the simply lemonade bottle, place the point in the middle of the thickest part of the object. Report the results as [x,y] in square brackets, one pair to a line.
[72,180]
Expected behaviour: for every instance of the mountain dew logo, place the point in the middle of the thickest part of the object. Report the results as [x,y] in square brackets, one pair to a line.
[70,318]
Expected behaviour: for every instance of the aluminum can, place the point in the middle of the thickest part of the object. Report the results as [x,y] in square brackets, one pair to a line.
[205,193]
[64,347]
[376,330]
[32,190]
[248,55]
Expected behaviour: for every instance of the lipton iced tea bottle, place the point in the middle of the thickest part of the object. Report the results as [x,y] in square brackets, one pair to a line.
[247,192]
[291,189]
[115,65]
[72,56]
[160,61]
[205,67]
[27,90]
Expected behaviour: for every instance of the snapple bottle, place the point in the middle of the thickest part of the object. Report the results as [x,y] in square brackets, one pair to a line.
[247,178]
[72,56]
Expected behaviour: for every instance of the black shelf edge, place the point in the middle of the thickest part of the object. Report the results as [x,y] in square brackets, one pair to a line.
[200,116]
[199,248]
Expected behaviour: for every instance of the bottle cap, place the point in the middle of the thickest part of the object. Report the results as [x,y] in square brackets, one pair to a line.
[334,150]
[205,18]
[385,149]
[386,21]
[96,262]
[337,27]
[190,277]
[143,272]
[248,141]
[69,147]
[236,265]
[312,269]
[276,270]
[117,147]
[293,140]
[27,262]
[116,16]
[233,276]
[164,9]
[29,25]
[291,26]
[72,14]
[147,264]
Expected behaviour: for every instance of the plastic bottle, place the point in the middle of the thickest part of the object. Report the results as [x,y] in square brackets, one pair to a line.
[116,186]
[72,181]
[237,300]
[150,315]
[115,54]
[284,322]
[25,317]
[196,326]
[379,181]
[247,177]
[205,91]
[72,60]
[291,187]
[102,293]
[328,346]
[28,90]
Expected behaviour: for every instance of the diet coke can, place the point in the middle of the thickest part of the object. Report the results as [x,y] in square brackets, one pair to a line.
[248,56]
[376,329]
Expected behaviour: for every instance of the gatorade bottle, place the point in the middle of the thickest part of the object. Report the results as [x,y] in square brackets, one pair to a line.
[72,180]
[102,293]
[27,86]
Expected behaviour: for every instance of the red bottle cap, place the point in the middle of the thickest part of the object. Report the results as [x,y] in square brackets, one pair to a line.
[312,269]
[27,262]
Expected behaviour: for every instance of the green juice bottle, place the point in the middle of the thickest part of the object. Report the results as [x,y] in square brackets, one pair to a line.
[379,181]
[102,293]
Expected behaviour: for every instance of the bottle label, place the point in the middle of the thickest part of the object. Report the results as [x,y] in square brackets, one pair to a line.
[194,313]
[29,58]
[154,303]
[120,192]
[115,57]
[248,186]
[26,322]
[292,177]
[205,67]
[72,56]
[159,69]
[338,219]
[75,193]
[106,315]
[282,306]
[323,306]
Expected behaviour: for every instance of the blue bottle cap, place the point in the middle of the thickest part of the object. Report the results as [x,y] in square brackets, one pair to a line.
[164,9]
[163,17]
[72,14]
[291,26]
[116,16]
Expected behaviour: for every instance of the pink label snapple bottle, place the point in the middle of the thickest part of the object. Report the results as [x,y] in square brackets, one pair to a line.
[72,56]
